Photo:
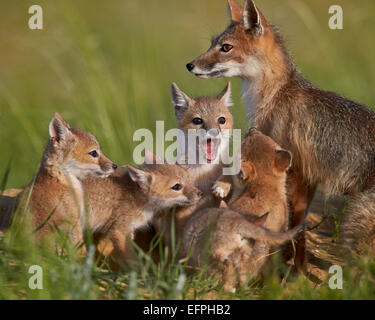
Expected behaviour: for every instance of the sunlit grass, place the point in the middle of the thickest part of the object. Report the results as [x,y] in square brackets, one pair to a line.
[69,275]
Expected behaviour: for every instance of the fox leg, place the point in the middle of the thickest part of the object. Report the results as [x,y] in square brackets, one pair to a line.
[300,195]
[229,275]
[123,251]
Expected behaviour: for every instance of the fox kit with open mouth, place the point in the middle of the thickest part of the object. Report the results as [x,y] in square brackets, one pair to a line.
[209,122]
[56,196]
[121,205]
[312,123]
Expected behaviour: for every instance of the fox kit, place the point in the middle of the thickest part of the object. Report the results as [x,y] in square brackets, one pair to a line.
[313,124]
[122,204]
[239,243]
[264,166]
[71,155]
[211,119]
[263,184]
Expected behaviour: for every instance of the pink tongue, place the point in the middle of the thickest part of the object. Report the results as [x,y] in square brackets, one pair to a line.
[210,155]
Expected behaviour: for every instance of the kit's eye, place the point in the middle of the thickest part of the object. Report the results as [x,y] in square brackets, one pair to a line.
[94,154]
[221,120]
[226,47]
[197,121]
[177,187]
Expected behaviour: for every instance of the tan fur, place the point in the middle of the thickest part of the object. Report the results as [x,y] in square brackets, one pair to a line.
[312,123]
[238,244]
[56,191]
[120,206]
[11,192]
[209,109]
[235,10]
[263,173]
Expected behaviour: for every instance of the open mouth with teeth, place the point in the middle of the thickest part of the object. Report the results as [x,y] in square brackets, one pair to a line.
[210,148]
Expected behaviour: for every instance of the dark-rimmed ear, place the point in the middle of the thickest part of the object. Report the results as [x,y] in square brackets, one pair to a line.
[248,171]
[261,221]
[58,128]
[142,178]
[235,11]
[225,96]
[283,160]
[180,100]
[252,19]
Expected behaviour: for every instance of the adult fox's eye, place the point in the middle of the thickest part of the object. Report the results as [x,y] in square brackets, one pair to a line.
[94,154]
[197,121]
[177,187]
[226,47]
[221,120]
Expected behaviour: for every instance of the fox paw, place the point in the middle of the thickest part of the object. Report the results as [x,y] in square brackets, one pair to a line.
[229,288]
[221,189]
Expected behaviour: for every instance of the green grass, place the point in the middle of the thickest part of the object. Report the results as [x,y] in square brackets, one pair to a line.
[107,68]
[69,275]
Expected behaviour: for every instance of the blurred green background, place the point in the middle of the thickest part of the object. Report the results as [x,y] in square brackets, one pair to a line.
[106,66]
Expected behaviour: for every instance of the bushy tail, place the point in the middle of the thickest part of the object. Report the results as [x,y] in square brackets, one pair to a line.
[251,231]
[357,229]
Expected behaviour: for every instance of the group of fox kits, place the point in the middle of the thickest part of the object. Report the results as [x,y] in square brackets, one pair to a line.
[78,190]
[301,137]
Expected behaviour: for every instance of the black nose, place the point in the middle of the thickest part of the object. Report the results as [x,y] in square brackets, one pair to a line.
[114,166]
[190,66]
[200,194]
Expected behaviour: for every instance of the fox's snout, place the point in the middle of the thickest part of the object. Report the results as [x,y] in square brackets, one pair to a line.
[192,193]
[107,165]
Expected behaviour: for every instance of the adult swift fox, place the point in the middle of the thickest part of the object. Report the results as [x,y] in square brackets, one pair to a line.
[332,138]
[56,191]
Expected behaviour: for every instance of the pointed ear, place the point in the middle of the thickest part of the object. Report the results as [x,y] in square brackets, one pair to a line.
[261,221]
[142,178]
[248,171]
[252,19]
[235,11]
[58,128]
[150,157]
[58,116]
[225,96]
[283,160]
[180,100]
